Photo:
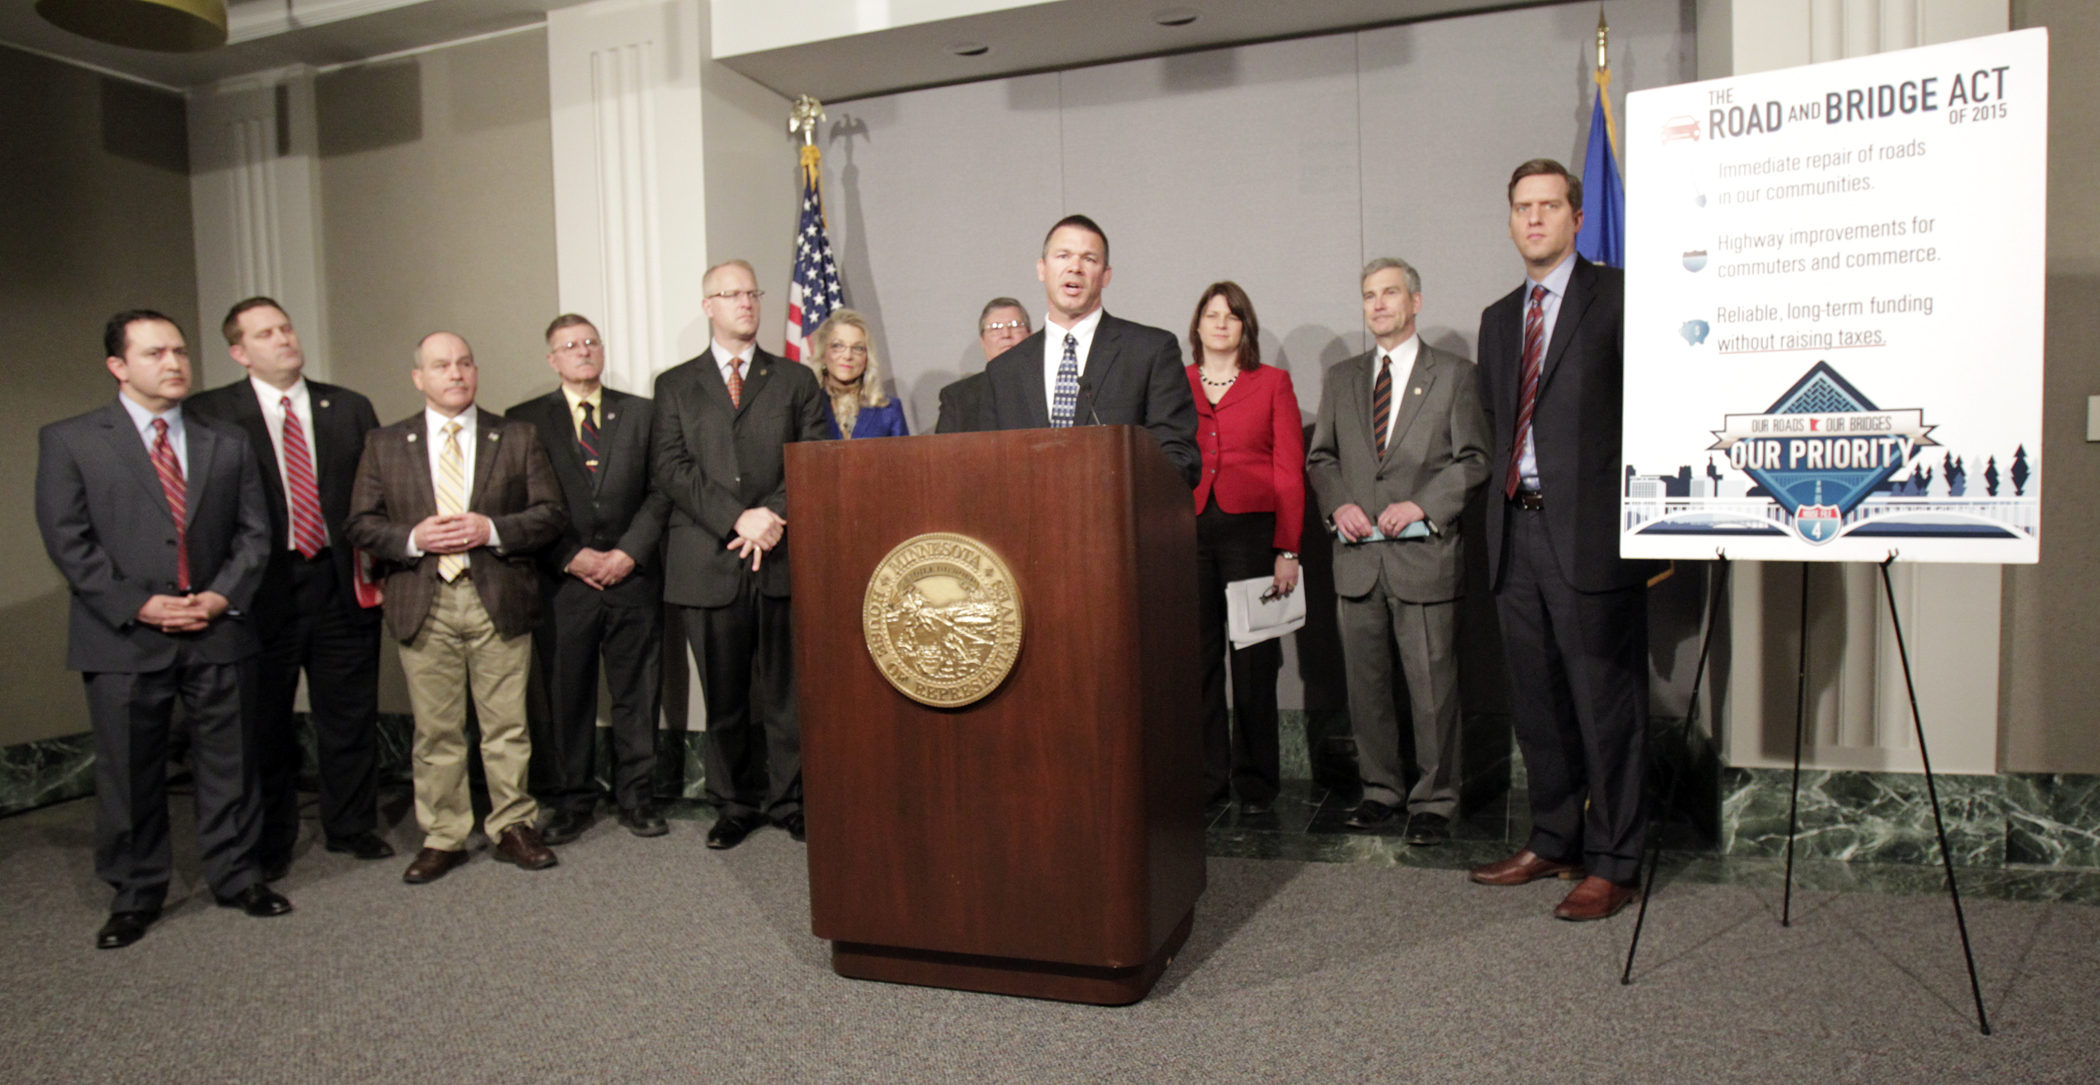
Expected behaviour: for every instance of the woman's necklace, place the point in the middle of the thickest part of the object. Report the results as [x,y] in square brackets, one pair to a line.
[1226,383]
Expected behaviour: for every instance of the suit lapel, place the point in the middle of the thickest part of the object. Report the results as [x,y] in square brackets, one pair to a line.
[1032,387]
[1571,309]
[1100,358]
[130,451]
[756,377]
[486,427]
[1412,392]
[247,411]
[559,426]
[203,443]
[611,411]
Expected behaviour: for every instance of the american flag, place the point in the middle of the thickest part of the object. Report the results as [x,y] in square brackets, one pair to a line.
[815,291]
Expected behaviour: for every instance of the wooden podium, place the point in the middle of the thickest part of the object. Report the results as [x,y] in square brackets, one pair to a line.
[1046,840]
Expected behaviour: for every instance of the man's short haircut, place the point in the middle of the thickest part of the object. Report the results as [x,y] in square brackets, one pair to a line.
[1407,271]
[997,304]
[415,357]
[116,333]
[707,280]
[566,320]
[1546,166]
[1084,223]
[231,326]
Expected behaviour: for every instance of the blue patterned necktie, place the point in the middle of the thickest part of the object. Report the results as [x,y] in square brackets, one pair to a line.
[1066,402]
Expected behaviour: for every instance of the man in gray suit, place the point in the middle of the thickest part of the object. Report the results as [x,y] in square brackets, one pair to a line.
[158,525]
[1399,447]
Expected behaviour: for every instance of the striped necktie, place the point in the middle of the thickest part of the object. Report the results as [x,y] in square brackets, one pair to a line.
[1528,382]
[587,438]
[177,492]
[451,496]
[1382,405]
[736,382]
[308,536]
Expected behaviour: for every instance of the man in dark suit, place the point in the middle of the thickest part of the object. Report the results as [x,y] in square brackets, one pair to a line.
[1001,324]
[1574,613]
[1086,367]
[602,587]
[723,422]
[156,521]
[307,437]
[456,501]
[1400,441]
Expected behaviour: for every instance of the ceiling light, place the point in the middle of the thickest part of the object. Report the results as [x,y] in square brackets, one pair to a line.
[969,49]
[1176,16]
[164,26]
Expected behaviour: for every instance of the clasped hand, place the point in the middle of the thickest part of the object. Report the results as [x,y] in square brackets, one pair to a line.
[452,533]
[600,569]
[757,531]
[1354,526]
[183,613]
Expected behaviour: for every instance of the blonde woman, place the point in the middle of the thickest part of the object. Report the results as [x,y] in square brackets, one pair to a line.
[854,402]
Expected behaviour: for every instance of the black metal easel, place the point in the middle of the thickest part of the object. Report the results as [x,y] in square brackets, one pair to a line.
[1654,851]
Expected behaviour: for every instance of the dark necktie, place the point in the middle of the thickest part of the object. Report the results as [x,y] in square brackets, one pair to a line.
[587,436]
[1065,403]
[171,485]
[1528,381]
[308,536]
[1382,405]
[736,382]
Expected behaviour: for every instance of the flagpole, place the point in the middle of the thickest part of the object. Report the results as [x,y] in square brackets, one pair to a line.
[803,119]
[1602,76]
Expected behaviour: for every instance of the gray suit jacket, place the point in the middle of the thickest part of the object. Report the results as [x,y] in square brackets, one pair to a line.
[713,460]
[1133,377]
[107,527]
[1437,456]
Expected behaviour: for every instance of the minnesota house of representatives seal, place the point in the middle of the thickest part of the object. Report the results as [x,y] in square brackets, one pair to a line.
[942,619]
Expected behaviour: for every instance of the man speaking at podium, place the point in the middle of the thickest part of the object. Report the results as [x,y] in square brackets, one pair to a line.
[1088,368]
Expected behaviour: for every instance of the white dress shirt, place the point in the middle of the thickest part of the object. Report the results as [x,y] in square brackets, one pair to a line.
[1556,284]
[272,401]
[142,421]
[723,354]
[434,424]
[1054,353]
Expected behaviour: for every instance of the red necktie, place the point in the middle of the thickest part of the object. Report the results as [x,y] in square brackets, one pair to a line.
[170,471]
[736,382]
[308,536]
[1534,348]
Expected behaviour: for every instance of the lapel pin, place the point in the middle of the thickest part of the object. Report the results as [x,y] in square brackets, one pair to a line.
[1418,389]
[411,438]
[324,404]
[492,435]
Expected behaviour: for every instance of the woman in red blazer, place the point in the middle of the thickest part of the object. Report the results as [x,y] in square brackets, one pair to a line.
[1250,508]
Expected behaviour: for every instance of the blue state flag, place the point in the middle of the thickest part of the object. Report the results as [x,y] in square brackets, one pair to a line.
[1603,236]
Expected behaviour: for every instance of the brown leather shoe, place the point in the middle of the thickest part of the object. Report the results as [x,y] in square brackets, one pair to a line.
[431,864]
[520,845]
[1523,867]
[1595,898]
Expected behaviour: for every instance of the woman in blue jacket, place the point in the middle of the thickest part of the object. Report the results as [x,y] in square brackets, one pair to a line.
[854,402]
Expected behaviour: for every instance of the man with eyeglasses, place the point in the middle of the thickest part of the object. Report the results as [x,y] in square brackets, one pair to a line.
[1001,324]
[604,591]
[723,423]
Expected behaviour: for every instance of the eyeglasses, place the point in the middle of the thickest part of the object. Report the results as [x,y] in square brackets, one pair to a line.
[858,350]
[738,295]
[1016,325]
[574,345]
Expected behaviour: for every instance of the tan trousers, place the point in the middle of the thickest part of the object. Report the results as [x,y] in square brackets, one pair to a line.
[459,647]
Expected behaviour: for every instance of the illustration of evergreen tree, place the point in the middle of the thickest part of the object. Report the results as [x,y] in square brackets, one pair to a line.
[2019,471]
[1990,476]
[1957,477]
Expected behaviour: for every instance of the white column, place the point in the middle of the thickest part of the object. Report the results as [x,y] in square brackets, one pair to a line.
[255,202]
[1858,708]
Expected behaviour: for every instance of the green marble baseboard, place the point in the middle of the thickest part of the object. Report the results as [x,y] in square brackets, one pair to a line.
[2009,820]
[34,774]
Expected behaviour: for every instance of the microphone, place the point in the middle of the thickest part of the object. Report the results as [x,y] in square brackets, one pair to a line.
[1086,396]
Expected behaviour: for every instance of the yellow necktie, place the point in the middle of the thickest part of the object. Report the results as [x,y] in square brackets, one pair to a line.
[451,496]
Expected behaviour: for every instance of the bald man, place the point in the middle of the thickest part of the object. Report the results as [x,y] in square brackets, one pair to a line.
[453,500]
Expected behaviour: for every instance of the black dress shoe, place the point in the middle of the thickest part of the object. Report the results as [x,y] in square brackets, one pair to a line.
[365,845]
[793,824]
[644,820]
[731,829]
[1428,830]
[258,900]
[1370,814]
[1256,808]
[565,826]
[125,928]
